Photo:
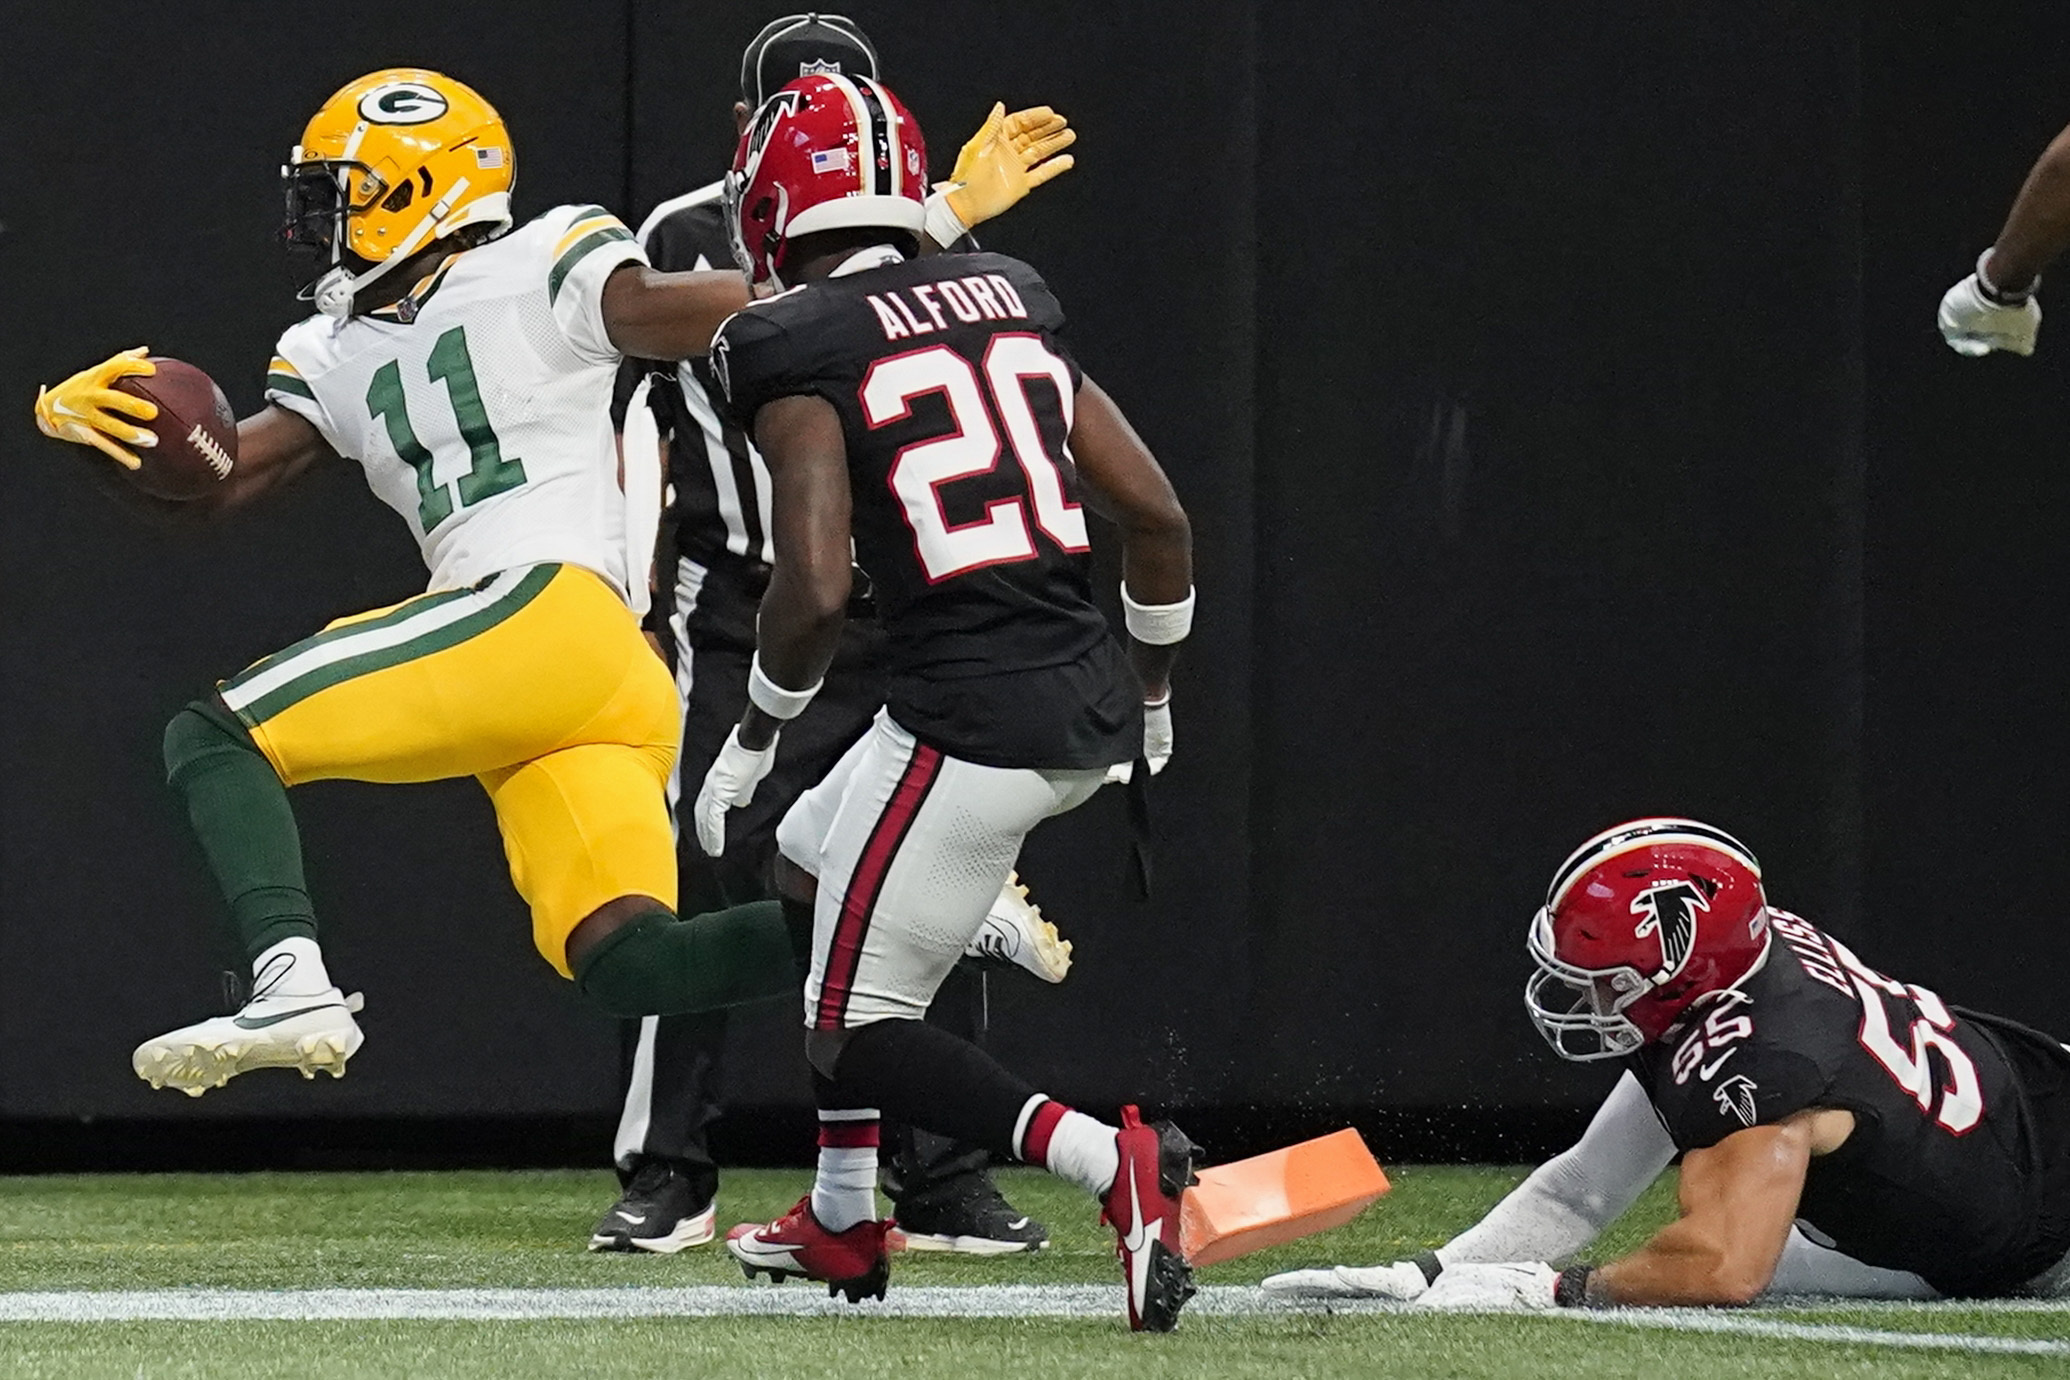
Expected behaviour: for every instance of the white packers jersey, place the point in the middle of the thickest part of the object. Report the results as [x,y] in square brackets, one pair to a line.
[480,404]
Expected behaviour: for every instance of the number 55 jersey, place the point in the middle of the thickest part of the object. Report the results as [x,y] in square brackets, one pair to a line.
[956,397]
[1958,1168]
[479,403]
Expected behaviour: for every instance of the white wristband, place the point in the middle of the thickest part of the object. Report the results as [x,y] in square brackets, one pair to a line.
[942,225]
[1997,295]
[775,700]
[1158,625]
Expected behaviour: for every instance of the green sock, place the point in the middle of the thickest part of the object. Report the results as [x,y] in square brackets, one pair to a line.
[658,965]
[239,810]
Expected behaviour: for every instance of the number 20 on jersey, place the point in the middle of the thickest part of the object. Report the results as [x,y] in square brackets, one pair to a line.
[1003,535]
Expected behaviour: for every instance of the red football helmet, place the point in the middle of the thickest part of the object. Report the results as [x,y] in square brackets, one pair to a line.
[825,153]
[1642,921]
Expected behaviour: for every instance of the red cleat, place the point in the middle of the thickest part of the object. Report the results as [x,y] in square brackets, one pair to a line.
[855,1262]
[1143,1208]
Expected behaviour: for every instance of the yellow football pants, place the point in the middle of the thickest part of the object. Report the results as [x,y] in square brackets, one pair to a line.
[537,683]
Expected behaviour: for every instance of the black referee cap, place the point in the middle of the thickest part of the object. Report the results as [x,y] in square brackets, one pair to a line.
[798,45]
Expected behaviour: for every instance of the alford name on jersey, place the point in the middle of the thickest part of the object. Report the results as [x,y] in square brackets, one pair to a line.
[972,298]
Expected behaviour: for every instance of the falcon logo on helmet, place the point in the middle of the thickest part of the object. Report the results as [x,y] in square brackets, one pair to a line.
[828,152]
[1670,910]
[1605,985]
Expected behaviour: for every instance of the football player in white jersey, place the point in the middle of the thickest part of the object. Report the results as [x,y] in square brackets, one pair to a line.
[467,366]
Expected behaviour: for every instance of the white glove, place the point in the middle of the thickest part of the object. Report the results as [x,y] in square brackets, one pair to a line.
[1522,1284]
[1157,742]
[1974,325]
[1401,1281]
[730,783]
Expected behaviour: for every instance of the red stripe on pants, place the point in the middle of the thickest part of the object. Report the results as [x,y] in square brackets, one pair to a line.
[867,884]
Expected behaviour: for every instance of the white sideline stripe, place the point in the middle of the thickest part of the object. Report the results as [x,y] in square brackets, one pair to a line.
[1736,1324]
[415,624]
[978,1301]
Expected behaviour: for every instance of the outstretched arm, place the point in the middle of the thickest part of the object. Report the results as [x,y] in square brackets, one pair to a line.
[1558,1210]
[649,314]
[653,315]
[273,444]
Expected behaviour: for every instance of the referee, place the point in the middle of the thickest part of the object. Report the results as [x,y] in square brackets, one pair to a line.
[713,565]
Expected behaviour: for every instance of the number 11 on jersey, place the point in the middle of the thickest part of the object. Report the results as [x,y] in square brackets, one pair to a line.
[489,475]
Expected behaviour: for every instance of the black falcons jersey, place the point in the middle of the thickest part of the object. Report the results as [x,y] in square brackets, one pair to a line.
[956,395]
[1958,1168]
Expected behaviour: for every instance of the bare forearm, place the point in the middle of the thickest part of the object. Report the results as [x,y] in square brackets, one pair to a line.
[654,315]
[1680,1267]
[798,632]
[2038,227]
[274,447]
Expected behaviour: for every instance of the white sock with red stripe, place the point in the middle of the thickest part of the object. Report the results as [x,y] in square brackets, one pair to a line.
[845,1190]
[1070,1145]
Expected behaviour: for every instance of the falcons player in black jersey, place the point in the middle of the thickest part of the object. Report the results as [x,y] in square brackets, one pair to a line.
[1842,1132]
[925,416]
[713,565]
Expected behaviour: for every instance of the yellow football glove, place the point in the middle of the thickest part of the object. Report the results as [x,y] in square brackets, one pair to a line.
[1007,158]
[84,408]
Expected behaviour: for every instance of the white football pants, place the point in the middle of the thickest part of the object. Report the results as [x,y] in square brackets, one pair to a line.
[910,846]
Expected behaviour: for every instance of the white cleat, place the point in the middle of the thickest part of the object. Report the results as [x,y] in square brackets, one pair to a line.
[1015,932]
[308,1033]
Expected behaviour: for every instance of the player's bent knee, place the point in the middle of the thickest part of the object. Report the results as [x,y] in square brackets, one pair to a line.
[203,730]
[646,962]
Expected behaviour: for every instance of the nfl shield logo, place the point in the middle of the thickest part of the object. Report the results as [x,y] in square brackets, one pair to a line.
[818,68]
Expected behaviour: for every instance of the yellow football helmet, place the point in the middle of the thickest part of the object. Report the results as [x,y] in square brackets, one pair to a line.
[393,162]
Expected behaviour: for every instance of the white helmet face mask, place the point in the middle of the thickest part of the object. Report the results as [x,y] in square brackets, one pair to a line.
[1580,1011]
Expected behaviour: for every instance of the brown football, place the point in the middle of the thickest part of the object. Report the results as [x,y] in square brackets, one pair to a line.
[197,432]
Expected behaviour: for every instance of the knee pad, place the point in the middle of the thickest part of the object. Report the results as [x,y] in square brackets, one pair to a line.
[619,974]
[203,730]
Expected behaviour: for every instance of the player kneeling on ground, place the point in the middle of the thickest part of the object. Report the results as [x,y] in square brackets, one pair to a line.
[1842,1133]
[921,419]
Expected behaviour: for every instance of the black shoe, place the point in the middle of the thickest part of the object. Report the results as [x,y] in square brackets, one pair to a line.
[968,1215]
[662,1210]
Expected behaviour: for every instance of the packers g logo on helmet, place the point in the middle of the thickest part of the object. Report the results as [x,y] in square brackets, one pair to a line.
[402,103]
[392,163]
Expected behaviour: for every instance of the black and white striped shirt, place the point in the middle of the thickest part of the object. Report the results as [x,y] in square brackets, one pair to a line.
[720,486]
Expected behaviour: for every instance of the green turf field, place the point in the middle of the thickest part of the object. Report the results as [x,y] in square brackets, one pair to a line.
[521,1234]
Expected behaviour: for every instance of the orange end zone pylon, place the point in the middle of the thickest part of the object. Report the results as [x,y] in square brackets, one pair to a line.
[1271,1199]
